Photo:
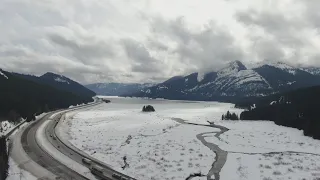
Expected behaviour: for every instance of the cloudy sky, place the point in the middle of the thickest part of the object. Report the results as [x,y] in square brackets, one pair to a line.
[152,40]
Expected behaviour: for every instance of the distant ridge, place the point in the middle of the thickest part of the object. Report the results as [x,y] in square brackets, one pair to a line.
[234,82]
[116,89]
[21,97]
[60,82]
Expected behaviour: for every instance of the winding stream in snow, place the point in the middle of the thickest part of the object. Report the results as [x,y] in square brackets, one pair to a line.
[221,155]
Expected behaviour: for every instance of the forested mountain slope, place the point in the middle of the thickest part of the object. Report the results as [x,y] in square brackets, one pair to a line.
[25,98]
[60,82]
[298,109]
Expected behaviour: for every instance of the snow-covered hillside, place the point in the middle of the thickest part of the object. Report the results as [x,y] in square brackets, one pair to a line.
[236,78]
[279,65]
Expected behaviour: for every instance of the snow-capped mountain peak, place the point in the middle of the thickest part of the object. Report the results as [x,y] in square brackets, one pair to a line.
[279,65]
[231,68]
[235,81]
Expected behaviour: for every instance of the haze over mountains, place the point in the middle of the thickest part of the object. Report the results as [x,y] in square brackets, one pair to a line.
[117,89]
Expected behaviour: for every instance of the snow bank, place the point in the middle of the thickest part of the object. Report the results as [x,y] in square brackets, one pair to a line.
[5,127]
[23,160]
[56,154]
[16,173]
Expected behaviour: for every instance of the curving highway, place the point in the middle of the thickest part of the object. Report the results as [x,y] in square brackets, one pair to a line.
[41,157]
[32,155]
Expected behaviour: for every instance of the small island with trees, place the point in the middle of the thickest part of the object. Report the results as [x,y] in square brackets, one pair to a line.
[148,108]
[230,116]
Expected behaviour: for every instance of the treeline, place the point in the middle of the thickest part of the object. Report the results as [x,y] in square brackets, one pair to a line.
[20,97]
[4,158]
[230,116]
[298,109]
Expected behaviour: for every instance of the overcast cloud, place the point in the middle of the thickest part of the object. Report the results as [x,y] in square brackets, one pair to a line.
[151,40]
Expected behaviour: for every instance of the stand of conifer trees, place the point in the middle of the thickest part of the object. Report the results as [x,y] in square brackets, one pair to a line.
[4,165]
[230,116]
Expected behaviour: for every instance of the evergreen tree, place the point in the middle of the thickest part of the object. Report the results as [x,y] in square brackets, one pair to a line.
[230,116]
[234,117]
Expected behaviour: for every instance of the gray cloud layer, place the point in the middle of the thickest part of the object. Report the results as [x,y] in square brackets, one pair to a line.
[143,41]
[206,49]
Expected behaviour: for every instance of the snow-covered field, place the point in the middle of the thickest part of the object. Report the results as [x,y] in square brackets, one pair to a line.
[271,166]
[156,147]
[263,150]
[264,137]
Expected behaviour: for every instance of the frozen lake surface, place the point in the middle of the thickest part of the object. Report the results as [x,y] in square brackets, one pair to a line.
[155,146]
